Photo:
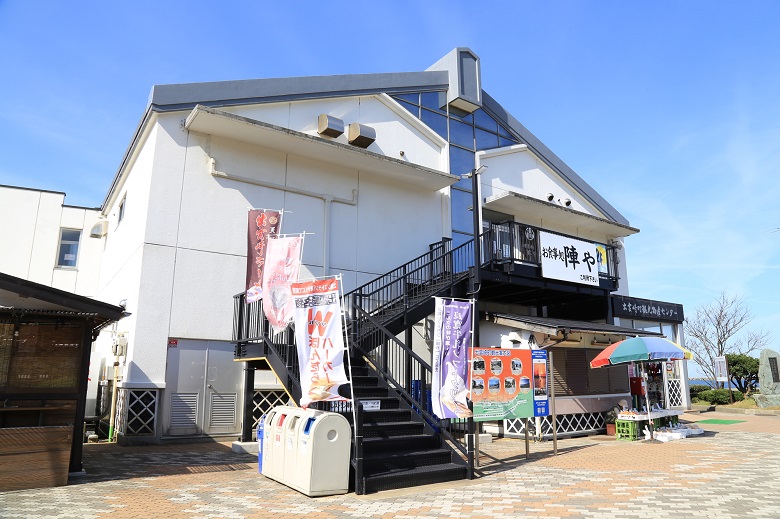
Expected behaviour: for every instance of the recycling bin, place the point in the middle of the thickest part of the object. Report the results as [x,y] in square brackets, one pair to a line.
[321,455]
[277,429]
[260,434]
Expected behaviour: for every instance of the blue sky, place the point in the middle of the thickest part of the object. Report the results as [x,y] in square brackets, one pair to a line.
[669,109]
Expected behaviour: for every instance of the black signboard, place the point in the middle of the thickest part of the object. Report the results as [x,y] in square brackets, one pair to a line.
[635,308]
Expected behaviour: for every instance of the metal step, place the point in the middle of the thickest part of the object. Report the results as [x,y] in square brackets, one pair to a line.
[392,430]
[387,463]
[418,476]
[385,402]
[367,393]
[400,444]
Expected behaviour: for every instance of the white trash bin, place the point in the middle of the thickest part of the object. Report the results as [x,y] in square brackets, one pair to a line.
[274,448]
[322,455]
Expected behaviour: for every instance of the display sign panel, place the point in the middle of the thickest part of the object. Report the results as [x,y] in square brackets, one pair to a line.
[721,373]
[503,383]
[569,259]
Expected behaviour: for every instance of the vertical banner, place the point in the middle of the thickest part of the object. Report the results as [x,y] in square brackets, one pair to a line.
[451,343]
[282,264]
[541,398]
[320,338]
[263,223]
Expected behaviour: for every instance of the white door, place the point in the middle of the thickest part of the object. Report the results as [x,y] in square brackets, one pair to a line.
[203,388]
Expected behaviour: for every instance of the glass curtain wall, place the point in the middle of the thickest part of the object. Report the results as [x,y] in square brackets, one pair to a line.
[466,134]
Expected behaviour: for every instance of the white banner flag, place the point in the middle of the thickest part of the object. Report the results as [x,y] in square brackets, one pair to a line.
[282,264]
[320,338]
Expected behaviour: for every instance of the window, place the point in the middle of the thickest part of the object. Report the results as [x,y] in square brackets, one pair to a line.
[122,205]
[69,247]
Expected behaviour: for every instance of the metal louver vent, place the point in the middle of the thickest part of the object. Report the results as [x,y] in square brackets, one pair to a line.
[184,409]
[223,410]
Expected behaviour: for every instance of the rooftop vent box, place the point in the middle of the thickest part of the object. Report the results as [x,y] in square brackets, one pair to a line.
[329,126]
[99,230]
[361,135]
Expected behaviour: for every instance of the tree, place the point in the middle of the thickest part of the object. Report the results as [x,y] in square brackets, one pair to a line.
[712,331]
[744,371]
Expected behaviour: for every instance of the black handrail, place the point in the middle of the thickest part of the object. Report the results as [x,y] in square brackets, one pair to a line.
[400,367]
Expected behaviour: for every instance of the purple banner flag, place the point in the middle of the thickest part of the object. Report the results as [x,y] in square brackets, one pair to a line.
[451,344]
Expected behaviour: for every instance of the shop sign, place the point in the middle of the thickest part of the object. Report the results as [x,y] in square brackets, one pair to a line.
[508,383]
[623,306]
[569,259]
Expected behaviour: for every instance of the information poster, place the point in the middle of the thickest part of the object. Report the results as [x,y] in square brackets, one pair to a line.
[502,384]
[541,397]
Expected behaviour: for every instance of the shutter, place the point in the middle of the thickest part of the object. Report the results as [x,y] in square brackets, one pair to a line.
[598,379]
[559,372]
[184,410]
[576,374]
[6,344]
[618,379]
[223,410]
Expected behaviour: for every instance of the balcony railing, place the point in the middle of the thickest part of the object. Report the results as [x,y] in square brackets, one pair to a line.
[518,243]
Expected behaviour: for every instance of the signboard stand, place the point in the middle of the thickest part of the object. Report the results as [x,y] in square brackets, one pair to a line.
[527,445]
[552,407]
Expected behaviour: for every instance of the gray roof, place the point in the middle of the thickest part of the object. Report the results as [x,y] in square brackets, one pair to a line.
[165,98]
[554,326]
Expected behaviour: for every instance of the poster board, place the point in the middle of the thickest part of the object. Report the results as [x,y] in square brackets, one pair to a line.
[508,383]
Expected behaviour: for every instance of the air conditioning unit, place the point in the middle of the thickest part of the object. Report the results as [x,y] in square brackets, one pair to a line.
[99,230]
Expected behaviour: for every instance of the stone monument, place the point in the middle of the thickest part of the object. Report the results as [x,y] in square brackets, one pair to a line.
[768,379]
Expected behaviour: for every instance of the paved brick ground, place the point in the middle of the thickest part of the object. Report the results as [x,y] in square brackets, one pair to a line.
[732,471]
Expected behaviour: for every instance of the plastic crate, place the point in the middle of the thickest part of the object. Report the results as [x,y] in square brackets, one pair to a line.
[627,430]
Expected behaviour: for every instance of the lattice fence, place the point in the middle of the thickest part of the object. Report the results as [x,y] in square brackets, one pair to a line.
[568,425]
[264,401]
[137,411]
[674,392]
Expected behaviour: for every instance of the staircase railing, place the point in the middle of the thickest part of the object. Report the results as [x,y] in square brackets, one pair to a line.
[409,375]
[370,307]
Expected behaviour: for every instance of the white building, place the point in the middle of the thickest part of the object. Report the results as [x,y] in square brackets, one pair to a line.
[171,233]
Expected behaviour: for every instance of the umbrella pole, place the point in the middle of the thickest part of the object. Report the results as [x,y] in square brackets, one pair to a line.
[647,399]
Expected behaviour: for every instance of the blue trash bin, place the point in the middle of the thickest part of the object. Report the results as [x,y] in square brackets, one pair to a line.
[260,431]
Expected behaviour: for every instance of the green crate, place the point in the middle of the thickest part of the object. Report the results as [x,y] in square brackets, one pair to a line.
[627,430]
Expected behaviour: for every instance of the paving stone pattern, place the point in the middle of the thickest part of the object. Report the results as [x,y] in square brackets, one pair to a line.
[732,471]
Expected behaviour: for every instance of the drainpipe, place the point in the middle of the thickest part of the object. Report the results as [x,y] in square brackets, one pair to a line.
[327,199]
[112,416]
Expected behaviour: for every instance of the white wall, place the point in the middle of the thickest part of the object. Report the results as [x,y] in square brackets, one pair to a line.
[30,223]
[179,255]
[396,130]
[516,169]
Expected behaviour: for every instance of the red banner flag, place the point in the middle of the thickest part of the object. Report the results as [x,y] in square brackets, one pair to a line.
[263,223]
[282,264]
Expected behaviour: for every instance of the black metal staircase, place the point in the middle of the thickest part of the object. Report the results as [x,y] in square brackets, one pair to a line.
[399,442]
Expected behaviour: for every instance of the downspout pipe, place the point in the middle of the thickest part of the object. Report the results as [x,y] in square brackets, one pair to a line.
[326,198]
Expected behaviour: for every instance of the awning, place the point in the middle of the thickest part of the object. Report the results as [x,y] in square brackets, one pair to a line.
[212,121]
[530,209]
[556,327]
[20,297]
